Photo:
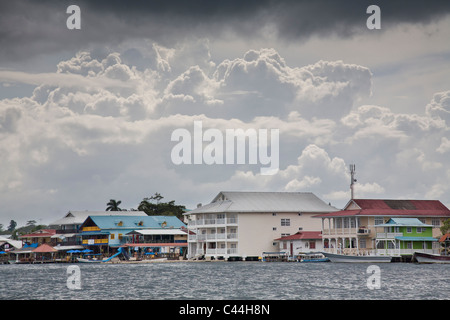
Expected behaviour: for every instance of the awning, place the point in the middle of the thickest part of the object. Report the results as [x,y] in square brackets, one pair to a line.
[153,245]
[158,232]
[416,238]
[94,233]
[63,235]
[63,248]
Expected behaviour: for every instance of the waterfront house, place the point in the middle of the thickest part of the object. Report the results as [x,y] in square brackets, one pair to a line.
[162,233]
[37,238]
[301,242]
[352,230]
[404,236]
[68,234]
[243,225]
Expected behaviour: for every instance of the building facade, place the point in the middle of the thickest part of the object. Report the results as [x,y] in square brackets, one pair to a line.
[301,242]
[352,230]
[404,236]
[244,225]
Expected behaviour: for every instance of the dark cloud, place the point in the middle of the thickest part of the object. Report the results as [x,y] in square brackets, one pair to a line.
[28,28]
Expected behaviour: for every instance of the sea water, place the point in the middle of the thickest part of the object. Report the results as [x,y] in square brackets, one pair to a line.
[225,281]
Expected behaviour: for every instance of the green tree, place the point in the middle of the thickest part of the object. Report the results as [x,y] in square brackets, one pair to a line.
[113,205]
[445,228]
[31,222]
[12,226]
[159,208]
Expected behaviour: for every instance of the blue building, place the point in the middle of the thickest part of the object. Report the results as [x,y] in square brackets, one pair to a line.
[101,233]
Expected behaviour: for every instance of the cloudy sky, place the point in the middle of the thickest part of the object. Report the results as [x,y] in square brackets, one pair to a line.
[87,115]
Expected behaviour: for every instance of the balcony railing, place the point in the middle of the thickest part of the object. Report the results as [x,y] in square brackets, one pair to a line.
[388,235]
[210,222]
[212,236]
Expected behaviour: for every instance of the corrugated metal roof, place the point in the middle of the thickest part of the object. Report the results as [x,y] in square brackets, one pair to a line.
[241,201]
[134,223]
[416,238]
[78,217]
[383,207]
[404,222]
[302,235]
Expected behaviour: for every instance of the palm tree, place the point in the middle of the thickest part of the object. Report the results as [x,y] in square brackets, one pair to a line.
[113,205]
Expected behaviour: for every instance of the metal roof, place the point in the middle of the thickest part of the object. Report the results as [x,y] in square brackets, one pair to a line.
[78,217]
[387,207]
[135,223]
[158,232]
[404,222]
[242,201]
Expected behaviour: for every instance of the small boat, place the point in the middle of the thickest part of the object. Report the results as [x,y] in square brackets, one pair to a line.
[355,259]
[430,258]
[312,257]
[83,260]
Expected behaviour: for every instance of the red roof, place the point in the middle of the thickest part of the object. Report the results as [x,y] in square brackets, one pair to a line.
[302,235]
[45,248]
[43,233]
[445,237]
[386,207]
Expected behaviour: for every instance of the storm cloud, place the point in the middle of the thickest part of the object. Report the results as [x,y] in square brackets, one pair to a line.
[29,28]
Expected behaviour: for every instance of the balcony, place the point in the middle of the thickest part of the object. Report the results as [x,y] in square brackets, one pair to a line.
[212,236]
[212,222]
[388,235]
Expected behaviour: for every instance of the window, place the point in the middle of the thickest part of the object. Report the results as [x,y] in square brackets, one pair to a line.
[362,243]
[379,220]
[285,222]
[436,222]
[274,228]
[112,236]
[120,236]
[420,230]
[312,244]
[408,230]
[274,214]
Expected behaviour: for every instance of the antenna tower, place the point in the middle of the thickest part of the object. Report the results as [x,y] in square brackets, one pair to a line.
[352,177]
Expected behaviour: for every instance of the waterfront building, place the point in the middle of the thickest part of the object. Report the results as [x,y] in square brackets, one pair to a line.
[37,238]
[352,230]
[162,233]
[68,234]
[404,236]
[244,225]
[301,242]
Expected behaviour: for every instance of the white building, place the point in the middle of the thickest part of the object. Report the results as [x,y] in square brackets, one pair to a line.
[301,242]
[246,224]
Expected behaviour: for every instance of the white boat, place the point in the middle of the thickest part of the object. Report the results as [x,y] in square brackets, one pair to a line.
[312,257]
[430,258]
[355,259]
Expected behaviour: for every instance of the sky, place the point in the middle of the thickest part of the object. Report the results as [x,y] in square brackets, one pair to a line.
[88,115]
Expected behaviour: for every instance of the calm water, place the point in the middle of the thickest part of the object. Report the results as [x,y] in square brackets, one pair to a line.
[225,280]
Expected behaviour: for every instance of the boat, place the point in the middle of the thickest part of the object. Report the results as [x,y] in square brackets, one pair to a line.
[355,259]
[312,257]
[430,258]
[84,260]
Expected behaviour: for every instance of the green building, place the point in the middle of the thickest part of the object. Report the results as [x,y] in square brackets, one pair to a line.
[404,236]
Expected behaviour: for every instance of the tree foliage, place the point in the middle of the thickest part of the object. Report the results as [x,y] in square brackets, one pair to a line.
[113,205]
[445,228]
[153,206]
